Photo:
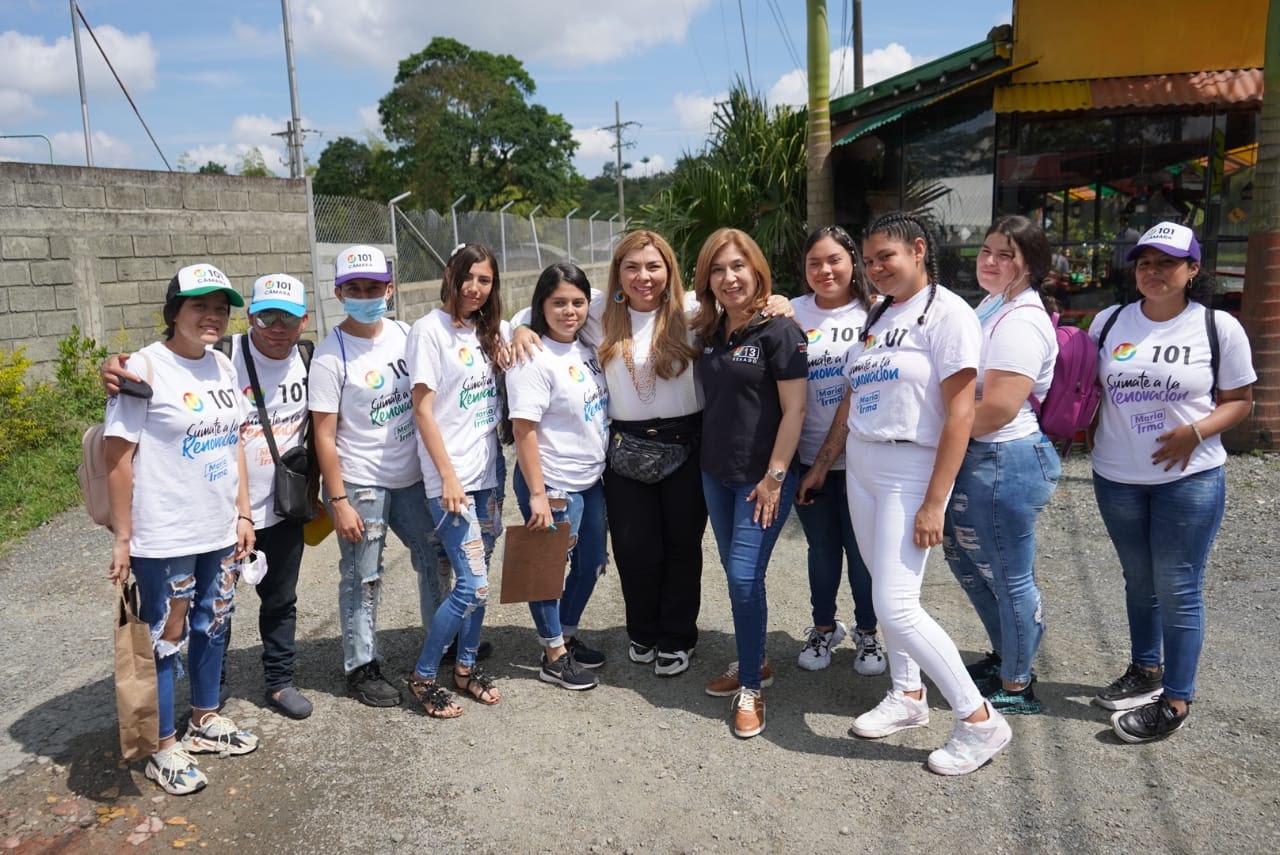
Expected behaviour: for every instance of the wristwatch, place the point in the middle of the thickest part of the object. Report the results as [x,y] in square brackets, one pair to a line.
[777,474]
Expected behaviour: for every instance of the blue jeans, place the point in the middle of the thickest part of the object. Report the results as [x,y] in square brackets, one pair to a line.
[829,531]
[405,511]
[989,539]
[467,540]
[745,548]
[210,592]
[584,514]
[1163,533]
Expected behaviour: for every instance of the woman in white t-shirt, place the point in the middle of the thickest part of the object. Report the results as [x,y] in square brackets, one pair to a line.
[559,403]
[831,315]
[451,354]
[1010,468]
[181,514]
[909,410]
[1158,471]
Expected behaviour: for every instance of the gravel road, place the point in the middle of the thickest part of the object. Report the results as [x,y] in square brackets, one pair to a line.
[643,764]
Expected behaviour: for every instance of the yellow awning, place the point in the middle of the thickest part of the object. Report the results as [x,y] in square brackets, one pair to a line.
[1055,97]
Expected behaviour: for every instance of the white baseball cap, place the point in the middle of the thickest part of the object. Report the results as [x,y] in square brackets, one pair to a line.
[1170,238]
[279,291]
[197,279]
[361,262]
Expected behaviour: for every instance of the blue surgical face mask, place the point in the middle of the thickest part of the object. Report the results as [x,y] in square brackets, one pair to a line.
[365,311]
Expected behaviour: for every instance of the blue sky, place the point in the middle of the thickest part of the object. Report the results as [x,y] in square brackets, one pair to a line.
[210,78]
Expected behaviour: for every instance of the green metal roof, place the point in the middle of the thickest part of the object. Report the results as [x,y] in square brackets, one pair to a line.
[925,76]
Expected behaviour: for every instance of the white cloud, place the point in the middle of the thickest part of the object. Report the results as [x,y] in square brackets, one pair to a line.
[880,64]
[30,64]
[369,119]
[17,107]
[594,144]
[68,147]
[654,164]
[572,34]
[694,110]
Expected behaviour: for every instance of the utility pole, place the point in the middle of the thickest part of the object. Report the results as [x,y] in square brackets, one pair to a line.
[295,126]
[618,145]
[84,104]
[857,45]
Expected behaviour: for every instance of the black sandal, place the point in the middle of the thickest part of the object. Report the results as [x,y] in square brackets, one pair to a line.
[435,700]
[478,685]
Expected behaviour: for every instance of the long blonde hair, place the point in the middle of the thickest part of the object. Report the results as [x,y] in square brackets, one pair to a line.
[671,351]
[709,313]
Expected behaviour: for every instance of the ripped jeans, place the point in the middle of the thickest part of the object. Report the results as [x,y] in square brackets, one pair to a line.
[584,512]
[405,511]
[989,540]
[467,539]
[210,595]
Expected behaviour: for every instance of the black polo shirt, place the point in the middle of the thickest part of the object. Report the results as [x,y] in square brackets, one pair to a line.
[739,379]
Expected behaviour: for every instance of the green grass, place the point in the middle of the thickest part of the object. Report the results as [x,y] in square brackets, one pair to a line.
[38,484]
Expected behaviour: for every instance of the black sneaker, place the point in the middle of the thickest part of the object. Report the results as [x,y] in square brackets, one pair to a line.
[483,652]
[367,686]
[1136,687]
[985,668]
[567,673]
[1156,720]
[583,655]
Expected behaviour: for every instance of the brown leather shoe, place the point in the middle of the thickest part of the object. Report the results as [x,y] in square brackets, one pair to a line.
[748,713]
[727,685]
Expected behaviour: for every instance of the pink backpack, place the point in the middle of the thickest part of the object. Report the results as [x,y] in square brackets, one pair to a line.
[1073,397]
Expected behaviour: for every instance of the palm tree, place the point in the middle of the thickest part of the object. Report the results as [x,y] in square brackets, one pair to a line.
[821,207]
[1260,304]
[750,176]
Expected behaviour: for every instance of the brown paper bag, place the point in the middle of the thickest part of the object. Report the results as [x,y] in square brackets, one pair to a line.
[137,701]
[534,563]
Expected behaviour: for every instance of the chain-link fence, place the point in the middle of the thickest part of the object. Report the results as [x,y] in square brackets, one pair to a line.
[423,239]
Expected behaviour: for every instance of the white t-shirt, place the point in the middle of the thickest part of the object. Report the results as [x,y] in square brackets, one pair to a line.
[447,359]
[186,470]
[366,382]
[563,390]
[1155,376]
[637,393]
[830,333]
[284,389]
[896,376]
[1019,338]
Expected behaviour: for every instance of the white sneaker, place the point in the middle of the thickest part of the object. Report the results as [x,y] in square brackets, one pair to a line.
[817,647]
[896,712]
[175,771]
[217,734]
[870,661]
[971,745]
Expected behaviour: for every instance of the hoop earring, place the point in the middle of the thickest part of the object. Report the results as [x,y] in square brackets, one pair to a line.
[620,297]
[666,296]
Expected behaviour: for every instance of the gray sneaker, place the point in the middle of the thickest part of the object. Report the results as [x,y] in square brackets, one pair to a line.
[566,673]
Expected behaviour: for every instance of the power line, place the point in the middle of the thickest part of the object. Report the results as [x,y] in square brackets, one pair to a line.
[618,145]
[742,21]
[781,23]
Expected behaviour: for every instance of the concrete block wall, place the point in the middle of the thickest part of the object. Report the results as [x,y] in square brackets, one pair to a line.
[96,248]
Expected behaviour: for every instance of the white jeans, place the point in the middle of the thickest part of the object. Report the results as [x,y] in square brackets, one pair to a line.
[887,483]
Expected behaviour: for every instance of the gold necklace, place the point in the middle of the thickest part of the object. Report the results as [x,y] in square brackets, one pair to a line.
[643,379]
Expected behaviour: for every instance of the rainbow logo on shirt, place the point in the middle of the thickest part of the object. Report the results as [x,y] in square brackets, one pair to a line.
[576,374]
[869,342]
[466,357]
[192,402]
[374,379]
[247,391]
[814,336]
[1124,352]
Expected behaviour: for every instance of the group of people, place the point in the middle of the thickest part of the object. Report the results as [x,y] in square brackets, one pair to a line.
[894,417]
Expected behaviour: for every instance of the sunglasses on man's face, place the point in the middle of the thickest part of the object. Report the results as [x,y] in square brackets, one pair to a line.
[270,317]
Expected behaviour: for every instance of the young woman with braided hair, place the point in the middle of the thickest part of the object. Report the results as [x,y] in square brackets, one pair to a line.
[904,426]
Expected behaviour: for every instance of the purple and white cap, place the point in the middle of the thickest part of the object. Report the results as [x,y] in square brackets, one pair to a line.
[1171,239]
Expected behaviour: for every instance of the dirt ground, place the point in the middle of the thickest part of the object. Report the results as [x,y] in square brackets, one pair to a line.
[643,764]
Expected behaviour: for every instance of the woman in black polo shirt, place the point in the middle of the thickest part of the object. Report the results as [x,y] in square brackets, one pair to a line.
[753,372]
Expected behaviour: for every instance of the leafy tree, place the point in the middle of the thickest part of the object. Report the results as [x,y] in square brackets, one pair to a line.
[348,167]
[254,165]
[461,123]
[212,168]
[750,176]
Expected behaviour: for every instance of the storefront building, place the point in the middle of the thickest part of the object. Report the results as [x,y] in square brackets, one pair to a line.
[1096,118]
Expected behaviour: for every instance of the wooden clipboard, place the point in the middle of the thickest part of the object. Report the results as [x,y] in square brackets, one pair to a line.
[534,564]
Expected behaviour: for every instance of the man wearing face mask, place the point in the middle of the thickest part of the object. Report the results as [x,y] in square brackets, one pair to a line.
[367,444]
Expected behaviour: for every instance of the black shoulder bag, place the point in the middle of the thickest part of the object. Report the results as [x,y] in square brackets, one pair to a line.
[293,498]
